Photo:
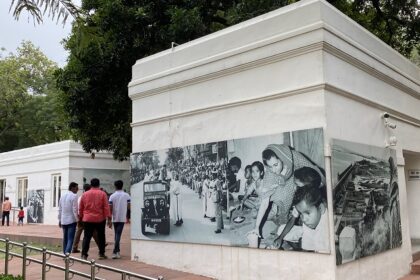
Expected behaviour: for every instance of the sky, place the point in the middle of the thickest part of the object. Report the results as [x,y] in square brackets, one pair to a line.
[47,35]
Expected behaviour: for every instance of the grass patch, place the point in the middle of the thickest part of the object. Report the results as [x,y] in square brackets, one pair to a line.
[10,277]
[19,250]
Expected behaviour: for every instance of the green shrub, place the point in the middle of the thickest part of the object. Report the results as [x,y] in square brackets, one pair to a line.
[10,277]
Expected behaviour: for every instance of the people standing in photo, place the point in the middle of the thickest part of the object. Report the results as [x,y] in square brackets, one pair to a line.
[211,197]
[6,207]
[119,203]
[21,215]
[206,184]
[176,200]
[80,227]
[217,199]
[94,212]
[68,216]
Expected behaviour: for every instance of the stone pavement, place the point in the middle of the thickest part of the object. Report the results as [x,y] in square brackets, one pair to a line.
[51,235]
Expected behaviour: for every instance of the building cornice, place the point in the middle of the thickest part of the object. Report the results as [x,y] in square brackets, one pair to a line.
[186,75]
[276,95]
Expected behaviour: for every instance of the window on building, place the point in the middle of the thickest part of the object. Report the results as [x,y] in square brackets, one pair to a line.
[56,189]
[2,189]
[22,191]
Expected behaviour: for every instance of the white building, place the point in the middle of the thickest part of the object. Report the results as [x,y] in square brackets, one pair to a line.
[303,66]
[46,171]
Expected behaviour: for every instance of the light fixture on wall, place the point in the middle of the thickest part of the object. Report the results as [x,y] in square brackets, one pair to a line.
[387,123]
[391,140]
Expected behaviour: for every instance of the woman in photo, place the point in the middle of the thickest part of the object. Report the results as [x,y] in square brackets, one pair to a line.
[279,185]
[252,198]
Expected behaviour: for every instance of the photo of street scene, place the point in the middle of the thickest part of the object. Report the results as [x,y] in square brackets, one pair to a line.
[366,200]
[251,192]
[35,206]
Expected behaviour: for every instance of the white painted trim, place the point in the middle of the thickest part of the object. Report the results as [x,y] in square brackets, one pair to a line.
[285,55]
[267,97]
[97,168]
[25,174]
[276,95]
[233,52]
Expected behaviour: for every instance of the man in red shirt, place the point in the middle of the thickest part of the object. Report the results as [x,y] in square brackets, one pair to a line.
[94,212]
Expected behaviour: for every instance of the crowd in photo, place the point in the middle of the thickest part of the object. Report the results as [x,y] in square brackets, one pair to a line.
[283,186]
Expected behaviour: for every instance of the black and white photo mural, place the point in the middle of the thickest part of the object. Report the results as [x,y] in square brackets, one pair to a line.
[366,201]
[262,192]
[35,208]
[107,178]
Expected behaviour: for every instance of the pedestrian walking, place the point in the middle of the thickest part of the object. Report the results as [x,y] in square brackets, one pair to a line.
[68,216]
[94,213]
[80,227]
[119,204]
[6,207]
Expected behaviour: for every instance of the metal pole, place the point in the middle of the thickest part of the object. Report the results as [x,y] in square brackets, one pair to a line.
[92,270]
[44,263]
[6,259]
[67,266]
[24,260]
[123,275]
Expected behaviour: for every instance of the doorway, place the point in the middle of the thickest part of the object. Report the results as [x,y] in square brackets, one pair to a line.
[2,189]
[412,173]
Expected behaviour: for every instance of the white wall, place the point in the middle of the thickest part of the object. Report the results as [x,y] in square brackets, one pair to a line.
[224,262]
[275,74]
[352,121]
[39,163]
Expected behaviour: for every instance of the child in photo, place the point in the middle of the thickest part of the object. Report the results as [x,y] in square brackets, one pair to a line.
[252,196]
[310,205]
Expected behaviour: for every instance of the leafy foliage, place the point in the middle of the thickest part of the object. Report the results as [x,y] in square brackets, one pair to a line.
[10,277]
[112,34]
[396,22]
[37,8]
[30,108]
[174,155]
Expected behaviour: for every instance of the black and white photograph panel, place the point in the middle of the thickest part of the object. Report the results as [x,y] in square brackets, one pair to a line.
[35,208]
[107,178]
[169,184]
[262,192]
[366,200]
[276,192]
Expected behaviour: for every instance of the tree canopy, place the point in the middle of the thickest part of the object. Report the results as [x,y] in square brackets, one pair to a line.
[30,108]
[112,34]
[59,9]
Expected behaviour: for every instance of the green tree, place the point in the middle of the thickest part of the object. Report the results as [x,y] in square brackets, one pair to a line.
[60,9]
[30,108]
[174,155]
[113,34]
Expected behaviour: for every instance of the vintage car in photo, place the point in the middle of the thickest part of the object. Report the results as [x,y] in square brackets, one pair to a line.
[155,213]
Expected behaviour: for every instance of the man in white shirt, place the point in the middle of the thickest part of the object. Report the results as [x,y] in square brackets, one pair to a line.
[119,202]
[68,216]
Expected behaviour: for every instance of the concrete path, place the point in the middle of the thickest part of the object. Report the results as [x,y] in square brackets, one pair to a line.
[51,235]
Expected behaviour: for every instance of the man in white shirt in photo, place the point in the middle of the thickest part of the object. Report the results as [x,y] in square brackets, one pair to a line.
[119,202]
[68,216]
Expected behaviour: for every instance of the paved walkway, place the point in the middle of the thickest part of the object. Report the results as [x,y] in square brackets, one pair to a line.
[51,235]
